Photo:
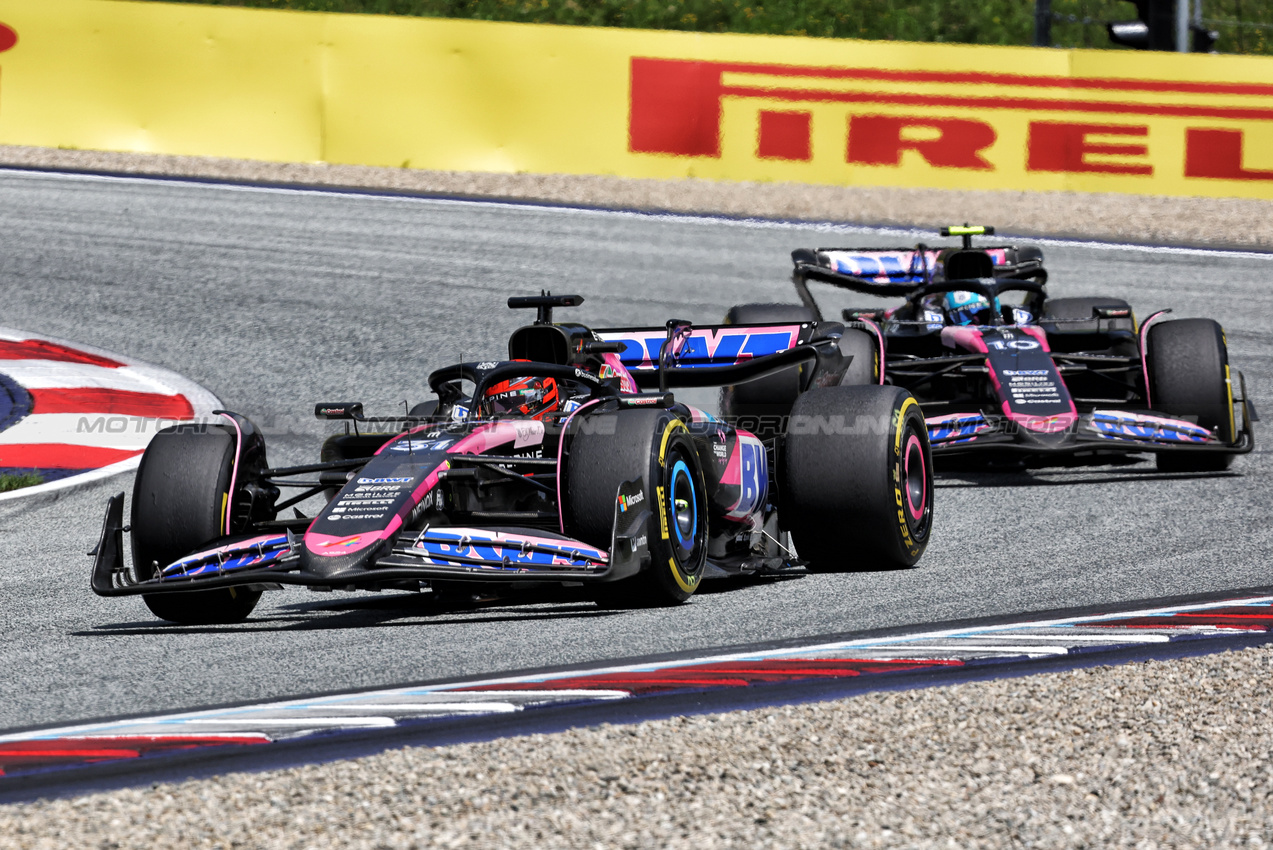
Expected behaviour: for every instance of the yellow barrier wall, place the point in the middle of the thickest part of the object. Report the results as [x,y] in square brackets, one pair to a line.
[477,96]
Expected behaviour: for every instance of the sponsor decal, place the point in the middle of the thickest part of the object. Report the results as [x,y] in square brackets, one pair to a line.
[498,551]
[658,495]
[1135,426]
[345,543]
[815,111]
[956,427]
[385,480]
[486,365]
[421,445]
[908,122]
[1012,343]
[707,347]
[1033,389]
[528,432]
[626,502]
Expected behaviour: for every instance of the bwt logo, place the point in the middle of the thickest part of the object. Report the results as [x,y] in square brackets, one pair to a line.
[677,107]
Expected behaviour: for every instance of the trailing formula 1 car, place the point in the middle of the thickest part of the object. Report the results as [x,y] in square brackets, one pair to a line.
[571,461]
[1008,374]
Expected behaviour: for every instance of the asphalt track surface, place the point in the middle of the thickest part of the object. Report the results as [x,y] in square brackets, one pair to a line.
[276,299]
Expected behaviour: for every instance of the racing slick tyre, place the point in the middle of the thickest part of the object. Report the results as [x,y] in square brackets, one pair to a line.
[1072,325]
[864,368]
[425,409]
[1188,365]
[760,405]
[652,446]
[180,497]
[856,477]
[1074,310]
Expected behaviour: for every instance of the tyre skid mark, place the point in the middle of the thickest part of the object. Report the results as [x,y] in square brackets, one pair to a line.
[878,661]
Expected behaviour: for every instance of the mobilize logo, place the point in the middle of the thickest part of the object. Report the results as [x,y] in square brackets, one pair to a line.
[677,109]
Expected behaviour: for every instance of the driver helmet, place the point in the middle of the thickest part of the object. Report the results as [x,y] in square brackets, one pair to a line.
[967,308]
[531,397]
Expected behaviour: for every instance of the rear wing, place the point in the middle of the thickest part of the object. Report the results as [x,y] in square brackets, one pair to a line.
[911,266]
[717,355]
[891,272]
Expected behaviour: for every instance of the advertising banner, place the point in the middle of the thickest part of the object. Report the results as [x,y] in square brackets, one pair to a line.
[477,96]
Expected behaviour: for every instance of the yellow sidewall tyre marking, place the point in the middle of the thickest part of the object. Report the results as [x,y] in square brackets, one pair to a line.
[687,583]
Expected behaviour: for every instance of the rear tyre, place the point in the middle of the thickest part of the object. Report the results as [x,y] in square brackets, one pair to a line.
[180,499]
[760,405]
[864,368]
[1188,364]
[1072,325]
[1071,312]
[654,447]
[856,478]
[425,409]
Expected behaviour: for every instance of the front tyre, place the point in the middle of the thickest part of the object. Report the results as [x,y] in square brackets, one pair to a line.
[1188,365]
[180,499]
[856,477]
[654,447]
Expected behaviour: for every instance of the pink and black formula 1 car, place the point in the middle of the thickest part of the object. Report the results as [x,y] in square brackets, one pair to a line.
[1007,374]
[569,462]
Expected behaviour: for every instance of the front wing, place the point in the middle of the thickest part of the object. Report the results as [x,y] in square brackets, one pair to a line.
[1097,431]
[433,553]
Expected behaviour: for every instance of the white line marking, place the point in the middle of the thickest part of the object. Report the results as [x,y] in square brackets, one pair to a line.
[1150,638]
[485,707]
[308,722]
[917,652]
[562,694]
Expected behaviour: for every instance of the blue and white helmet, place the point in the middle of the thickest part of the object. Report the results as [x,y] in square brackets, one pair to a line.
[967,308]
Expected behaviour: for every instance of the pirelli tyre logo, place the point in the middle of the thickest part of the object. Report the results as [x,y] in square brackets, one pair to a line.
[962,121]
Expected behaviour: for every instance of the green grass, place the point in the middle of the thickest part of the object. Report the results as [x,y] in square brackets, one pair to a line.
[1079,23]
[17,482]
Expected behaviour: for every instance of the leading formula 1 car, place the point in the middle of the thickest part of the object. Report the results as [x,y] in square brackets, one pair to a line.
[1009,374]
[571,461]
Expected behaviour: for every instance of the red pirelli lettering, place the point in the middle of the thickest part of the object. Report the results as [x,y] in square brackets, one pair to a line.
[1218,154]
[1057,146]
[881,139]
